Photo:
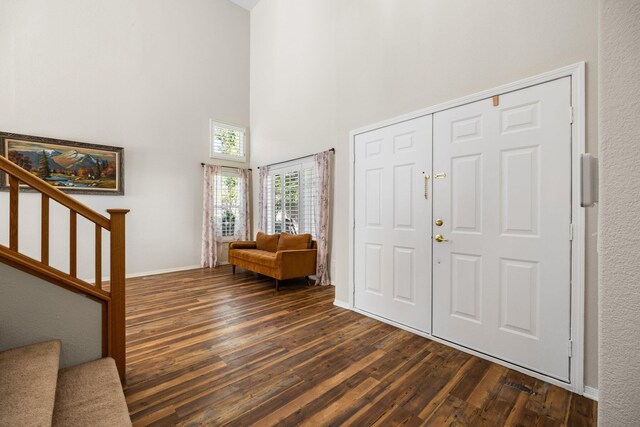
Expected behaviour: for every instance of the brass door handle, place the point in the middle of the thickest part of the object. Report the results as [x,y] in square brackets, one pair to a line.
[426,187]
[439,238]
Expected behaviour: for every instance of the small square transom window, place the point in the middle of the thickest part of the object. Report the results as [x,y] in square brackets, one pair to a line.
[227,142]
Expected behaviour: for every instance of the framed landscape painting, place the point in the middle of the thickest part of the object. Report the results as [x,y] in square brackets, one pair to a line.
[73,167]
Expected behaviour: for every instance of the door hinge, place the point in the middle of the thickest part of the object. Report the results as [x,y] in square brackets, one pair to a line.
[571,115]
[570,232]
[570,348]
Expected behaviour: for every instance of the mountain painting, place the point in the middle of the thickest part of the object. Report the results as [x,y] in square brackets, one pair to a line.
[71,166]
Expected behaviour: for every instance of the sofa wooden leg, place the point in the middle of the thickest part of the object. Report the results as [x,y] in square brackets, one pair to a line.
[277,284]
[308,281]
[233,267]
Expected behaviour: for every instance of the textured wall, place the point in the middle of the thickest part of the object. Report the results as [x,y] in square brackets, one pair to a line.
[32,310]
[146,75]
[619,213]
[322,68]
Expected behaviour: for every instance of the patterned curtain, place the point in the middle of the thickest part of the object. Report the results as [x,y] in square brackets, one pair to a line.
[324,162]
[262,198]
[243,230]
[210,228]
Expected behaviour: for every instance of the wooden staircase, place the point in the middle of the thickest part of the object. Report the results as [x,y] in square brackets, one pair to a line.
[34,392]
[113,298]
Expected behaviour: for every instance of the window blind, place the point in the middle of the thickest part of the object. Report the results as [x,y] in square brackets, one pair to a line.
[291,211]
[291,199]
[228,204]
[227,141]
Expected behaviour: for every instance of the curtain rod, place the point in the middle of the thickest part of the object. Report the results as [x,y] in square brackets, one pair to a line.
[228,167]
[297,158]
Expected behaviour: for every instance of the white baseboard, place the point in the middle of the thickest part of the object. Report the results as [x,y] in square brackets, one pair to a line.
[591,393]
[341,304]
[149,273]
[163,271]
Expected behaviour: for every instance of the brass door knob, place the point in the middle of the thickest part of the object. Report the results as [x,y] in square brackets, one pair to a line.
[439,222]
[440,238]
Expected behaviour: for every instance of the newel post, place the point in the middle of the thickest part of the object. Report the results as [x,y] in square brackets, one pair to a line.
[117,332]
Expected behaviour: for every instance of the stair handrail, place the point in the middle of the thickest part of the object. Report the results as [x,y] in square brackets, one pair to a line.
[44,187]
[113,300]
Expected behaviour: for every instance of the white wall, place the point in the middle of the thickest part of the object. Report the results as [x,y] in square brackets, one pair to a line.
[146,75]
[32,310]
[620,228]
[322,68]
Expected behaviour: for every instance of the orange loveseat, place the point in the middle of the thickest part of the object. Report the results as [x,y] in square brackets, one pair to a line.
[281,256]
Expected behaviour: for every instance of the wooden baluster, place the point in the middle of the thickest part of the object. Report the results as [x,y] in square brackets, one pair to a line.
[44,230]
[117,288]
[14,187]
[98,256]
[73,244]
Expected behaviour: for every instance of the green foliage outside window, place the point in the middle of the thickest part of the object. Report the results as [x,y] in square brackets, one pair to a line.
[230,203]
[286,216]
[228,141]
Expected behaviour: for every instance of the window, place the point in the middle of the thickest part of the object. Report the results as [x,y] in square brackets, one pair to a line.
[228,204]
[291,199]
[227,142]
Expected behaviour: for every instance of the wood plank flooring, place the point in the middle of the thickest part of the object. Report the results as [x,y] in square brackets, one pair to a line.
[205,347]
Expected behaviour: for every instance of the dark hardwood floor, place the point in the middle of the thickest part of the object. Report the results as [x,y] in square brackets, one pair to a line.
[209,348]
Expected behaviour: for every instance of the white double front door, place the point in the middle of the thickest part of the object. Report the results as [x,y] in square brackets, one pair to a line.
[489,262]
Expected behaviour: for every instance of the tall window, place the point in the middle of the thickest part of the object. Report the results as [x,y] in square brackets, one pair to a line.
[227,142]
[291,200]
[228,204]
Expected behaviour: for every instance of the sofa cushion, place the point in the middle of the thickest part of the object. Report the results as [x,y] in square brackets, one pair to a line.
[267,242]
[289,242]
[257,256]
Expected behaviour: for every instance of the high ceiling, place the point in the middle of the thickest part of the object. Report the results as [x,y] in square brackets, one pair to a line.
[247,4]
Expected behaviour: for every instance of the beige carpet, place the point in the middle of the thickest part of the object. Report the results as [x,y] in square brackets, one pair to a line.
[28,377]
[90,395]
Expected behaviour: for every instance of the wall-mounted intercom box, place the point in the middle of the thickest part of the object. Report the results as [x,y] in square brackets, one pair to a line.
[589,180]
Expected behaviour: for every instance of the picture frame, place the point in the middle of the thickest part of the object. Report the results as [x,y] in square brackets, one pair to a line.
[71,166]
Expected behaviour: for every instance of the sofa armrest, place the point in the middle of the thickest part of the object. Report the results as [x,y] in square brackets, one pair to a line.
[242,245]
[296,263]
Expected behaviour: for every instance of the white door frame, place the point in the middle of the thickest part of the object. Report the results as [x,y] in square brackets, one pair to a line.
[577,74]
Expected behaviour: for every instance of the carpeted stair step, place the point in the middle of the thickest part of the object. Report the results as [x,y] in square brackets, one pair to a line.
[28,377]
[90,395]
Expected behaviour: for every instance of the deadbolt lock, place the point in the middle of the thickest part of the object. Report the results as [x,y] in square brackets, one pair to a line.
[439,222]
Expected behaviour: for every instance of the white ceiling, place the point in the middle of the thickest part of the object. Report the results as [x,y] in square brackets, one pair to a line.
[247,4]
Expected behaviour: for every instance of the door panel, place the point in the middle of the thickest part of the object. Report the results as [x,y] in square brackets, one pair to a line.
[466,205]
[501,283]
[466,286]
[520,191]
[392,223]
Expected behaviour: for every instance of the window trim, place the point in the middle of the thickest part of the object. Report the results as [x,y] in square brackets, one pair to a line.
[214,155]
